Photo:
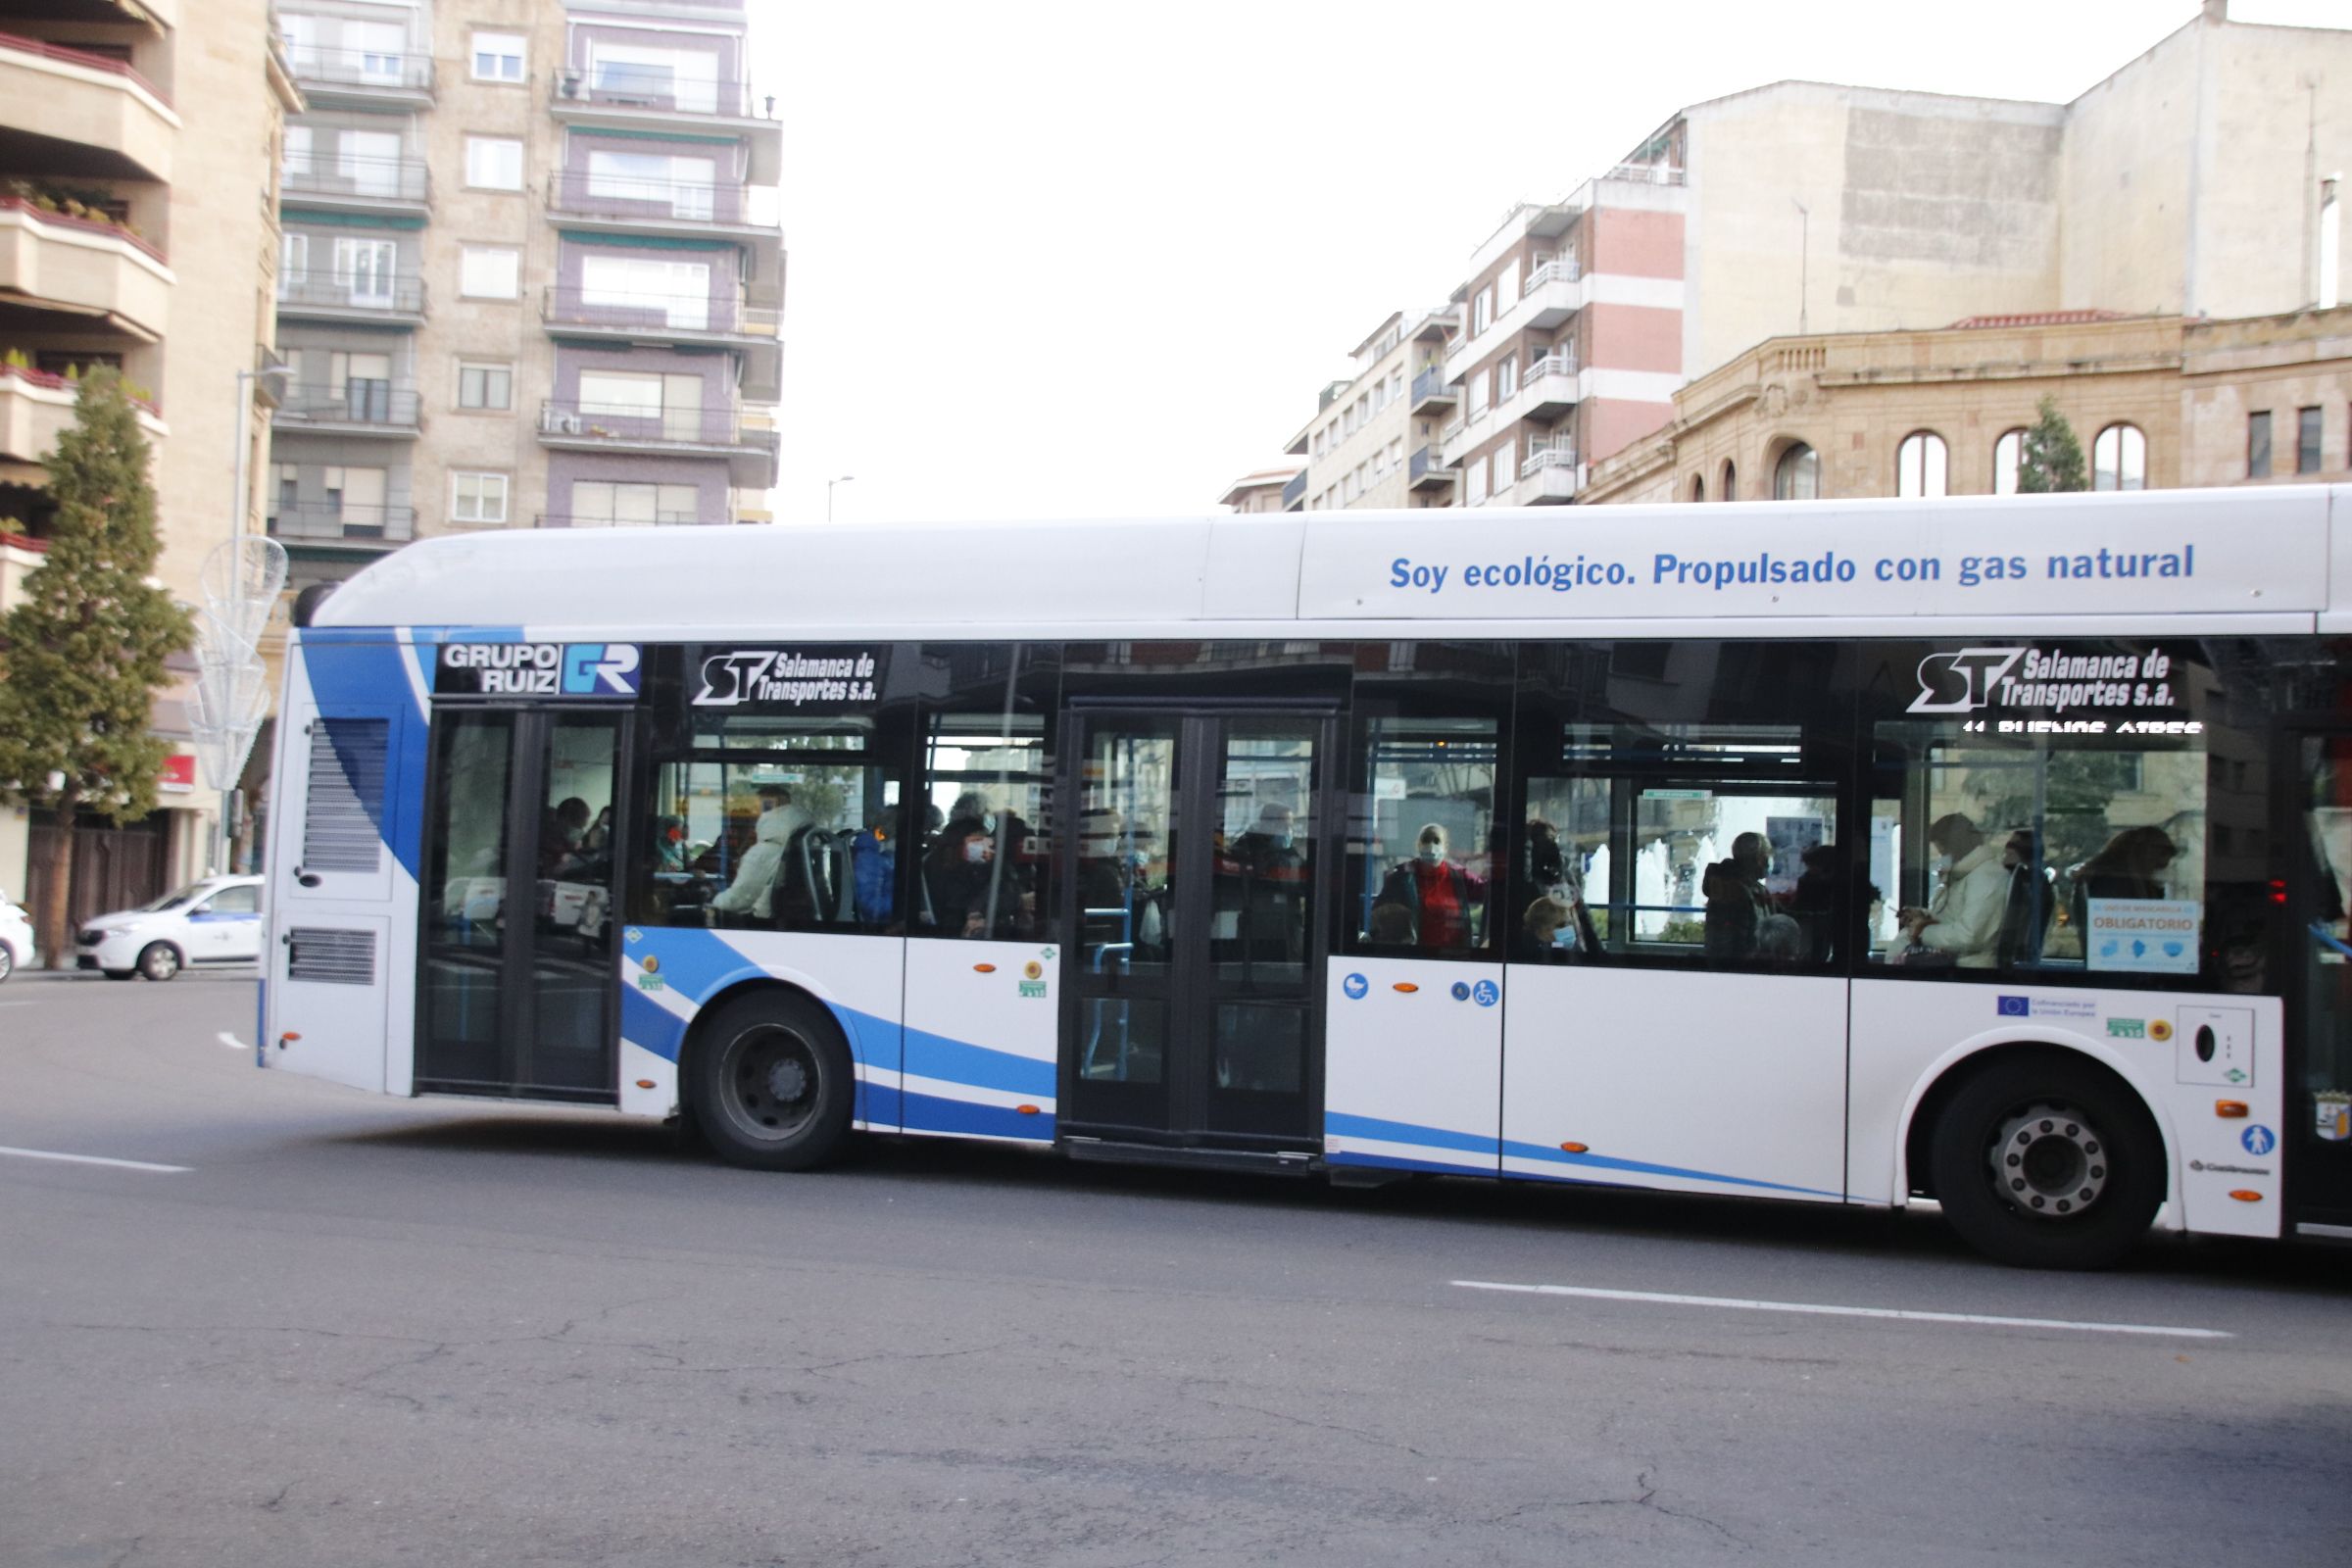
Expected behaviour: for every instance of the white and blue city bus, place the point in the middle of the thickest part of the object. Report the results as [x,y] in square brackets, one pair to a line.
[1992,851]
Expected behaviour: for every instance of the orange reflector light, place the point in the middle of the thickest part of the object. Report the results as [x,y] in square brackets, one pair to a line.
[2246,1194]
[288,1035]
[1577,1149]
[645,1083]
[984,968]
[2228,1107]
[1404,985]
[1027,1110]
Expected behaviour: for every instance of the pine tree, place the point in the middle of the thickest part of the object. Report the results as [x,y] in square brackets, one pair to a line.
[81,655]
[2052,459]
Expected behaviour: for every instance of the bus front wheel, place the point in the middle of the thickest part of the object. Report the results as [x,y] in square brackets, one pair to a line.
[2046,1162]
[772,1086]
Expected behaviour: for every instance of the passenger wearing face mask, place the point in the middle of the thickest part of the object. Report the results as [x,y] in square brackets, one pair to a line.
[974,870]
[1962,922]
[1439,895]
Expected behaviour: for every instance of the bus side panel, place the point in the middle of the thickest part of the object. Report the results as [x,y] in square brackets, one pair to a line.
[669,975]
[343,857]
[982,1020]
[1682,1081]
[1907,1034]
[1412,1064]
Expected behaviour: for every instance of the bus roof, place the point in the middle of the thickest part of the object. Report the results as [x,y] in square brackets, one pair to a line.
[2263,557]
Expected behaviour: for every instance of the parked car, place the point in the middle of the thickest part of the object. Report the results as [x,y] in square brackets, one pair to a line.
[209,923]
[17,947]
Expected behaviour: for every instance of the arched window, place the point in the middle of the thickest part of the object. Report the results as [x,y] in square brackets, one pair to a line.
[1922,465]
[2008,455]
[2119,458]
[1797,475]
[1698,487]
[1729,489]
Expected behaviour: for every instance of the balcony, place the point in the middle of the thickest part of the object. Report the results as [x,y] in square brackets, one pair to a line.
[358,408]
[1548,476]
[1550,295]
[36,408]
[751,448]
[337,181]
[342,522]
[614,96]
[1550,389]
[660,519]
[1431,389]
[615,315]
[323,297]
[361,78]
[85,268]
[1293,493]
[116,124]
[683,209]
[1437,326]
[1427,470]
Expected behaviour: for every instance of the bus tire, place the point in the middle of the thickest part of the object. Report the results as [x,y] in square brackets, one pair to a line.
[2046,1161]
[770,1085]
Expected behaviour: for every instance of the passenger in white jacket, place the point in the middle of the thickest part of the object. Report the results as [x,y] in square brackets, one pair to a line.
[1963,920]
[751,892]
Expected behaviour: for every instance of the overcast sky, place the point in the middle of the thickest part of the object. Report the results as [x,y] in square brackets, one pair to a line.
[1096,260]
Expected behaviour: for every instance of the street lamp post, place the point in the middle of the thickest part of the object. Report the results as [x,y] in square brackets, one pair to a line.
[829,484]
[242,428]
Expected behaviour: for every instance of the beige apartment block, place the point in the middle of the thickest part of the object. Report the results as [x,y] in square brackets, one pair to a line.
[2157,402]
[137,229]
[1262,490]
[1373,440]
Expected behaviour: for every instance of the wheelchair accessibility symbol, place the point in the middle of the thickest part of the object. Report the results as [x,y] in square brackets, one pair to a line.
[1487,992]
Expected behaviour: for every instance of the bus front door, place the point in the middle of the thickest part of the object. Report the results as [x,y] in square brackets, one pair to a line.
[516,978]
[2319,979]
[1195,881]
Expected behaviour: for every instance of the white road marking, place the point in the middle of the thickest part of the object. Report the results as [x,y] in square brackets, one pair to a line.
[1817,1309]
[231,1041]
[95,1159]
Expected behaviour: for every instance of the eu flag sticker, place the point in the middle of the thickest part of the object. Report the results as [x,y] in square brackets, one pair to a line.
[2017,1007]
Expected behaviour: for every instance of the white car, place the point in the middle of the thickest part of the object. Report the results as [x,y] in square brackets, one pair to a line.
[209,923]
[16,950]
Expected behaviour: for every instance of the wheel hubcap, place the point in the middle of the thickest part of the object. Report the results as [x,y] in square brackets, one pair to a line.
[772,1083]
[2049,1161]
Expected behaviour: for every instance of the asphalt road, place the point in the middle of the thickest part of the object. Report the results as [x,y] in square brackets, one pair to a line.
[361,1330]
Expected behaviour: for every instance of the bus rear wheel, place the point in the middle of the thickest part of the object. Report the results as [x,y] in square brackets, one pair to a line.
[771,1084]
[2044,1161]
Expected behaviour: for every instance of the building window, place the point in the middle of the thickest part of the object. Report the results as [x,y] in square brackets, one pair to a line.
[1797,475]
[1480,393]
[2119,458]
[1482,311]
[2258,446]
[1729,489]
[489,273]
[477,498]
[1475,485]
[1506,465]
[498,55]
[2008,457]
[493,163]
[1698,487]
[2307,441]
[1506,377]
[1922,466]
[599,504]
[485,385]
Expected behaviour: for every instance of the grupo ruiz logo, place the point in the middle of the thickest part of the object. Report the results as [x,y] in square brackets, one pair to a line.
[537,670]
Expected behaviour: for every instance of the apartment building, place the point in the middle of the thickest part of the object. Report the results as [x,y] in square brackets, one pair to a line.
[2156,400]
[1372,436]
[531,273]
[1262,489]
[2187,183]
[138,229]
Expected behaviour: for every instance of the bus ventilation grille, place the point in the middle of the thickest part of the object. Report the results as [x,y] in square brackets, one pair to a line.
[328,957]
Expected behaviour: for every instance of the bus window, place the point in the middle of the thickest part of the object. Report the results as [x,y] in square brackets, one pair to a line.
[773,823]
[1420,859]
[2076,850]
[1683,843]
[986,840]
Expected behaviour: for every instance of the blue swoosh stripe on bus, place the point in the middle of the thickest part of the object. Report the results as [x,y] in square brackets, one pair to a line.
[648,1023]
[957,1062]
[1398,1163]
[1562,1157]
[360,671]
[931,1113]
[879,1105]
[1405,1132]
[695,964]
